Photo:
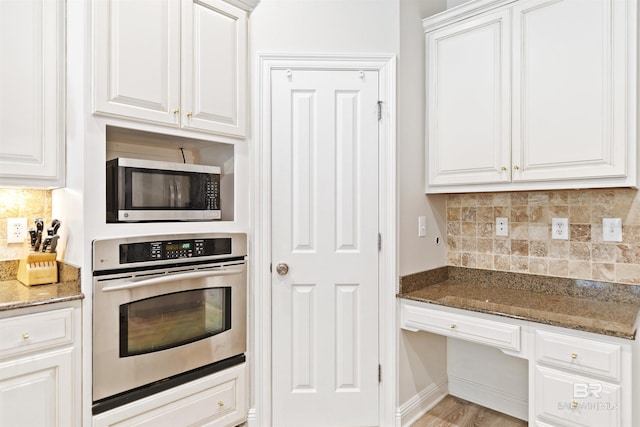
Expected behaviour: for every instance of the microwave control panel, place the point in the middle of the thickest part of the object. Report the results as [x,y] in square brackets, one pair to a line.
[173,249]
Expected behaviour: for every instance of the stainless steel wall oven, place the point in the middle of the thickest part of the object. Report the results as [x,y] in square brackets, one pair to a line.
[166,310]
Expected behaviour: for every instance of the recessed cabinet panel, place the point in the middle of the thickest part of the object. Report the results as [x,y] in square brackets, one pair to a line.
[562,110]
[568,90]
[214,64]
[468,102]
[32,93]
[571,400]
[178,63]
[138,59]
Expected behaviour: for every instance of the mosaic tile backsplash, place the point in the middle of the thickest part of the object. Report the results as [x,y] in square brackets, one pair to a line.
[529,248]
[21,203]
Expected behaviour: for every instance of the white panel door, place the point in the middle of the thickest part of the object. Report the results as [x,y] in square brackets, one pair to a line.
[468,100]
[31,92]
[214,67]
[570,89]
[325,227]
[39,391]
[137,59]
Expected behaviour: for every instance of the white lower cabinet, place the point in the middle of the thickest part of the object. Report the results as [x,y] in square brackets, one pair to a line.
[582,380]
[574,400]
[217,400]
[40,367]
[576,378]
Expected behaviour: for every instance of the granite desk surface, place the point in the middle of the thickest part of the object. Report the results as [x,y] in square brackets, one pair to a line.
[15,295]
[599,307]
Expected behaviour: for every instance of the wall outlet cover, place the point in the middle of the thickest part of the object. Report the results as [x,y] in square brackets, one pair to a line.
[16,230]
[502,226]
[560,228]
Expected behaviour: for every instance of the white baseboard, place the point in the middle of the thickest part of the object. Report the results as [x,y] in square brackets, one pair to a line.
[489,397]
[252,419]
[421,403]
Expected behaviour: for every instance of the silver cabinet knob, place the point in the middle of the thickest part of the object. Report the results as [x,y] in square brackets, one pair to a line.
[282,268]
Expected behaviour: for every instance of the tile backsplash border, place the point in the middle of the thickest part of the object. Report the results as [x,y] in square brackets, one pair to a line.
[471,239]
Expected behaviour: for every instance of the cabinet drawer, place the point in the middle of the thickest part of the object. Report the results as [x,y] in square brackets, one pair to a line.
[573,400]
[470,328]
[35,332]
[579,354]
[217,400]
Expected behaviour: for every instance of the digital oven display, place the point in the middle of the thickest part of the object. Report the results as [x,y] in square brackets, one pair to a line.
[177,246]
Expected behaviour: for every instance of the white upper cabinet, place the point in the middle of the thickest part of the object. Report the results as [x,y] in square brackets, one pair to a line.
[137,51]
[532,95]
[174,63]
[214,67]
[32,135]
[469,105]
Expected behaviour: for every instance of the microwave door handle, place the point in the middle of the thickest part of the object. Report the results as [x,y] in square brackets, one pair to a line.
[171,278]
[178,194]
[172,194]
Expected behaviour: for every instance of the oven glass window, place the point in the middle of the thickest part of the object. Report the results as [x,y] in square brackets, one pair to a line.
[174,319]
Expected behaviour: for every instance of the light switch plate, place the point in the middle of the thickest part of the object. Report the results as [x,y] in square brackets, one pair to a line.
[612,229]
[422,226]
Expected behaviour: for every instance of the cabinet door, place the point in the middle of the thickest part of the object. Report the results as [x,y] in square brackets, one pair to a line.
[32,93]
[570,115]
[572,400]
[468,101]
[137,59]
[38,391]
[214,67]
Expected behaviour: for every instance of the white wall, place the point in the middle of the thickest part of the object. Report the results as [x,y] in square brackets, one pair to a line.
[324,26]
[416,253]
[422,357]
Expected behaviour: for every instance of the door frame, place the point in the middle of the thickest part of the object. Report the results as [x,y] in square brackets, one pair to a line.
[259,334]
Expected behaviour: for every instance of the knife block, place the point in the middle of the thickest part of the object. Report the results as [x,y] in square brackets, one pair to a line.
[38,269]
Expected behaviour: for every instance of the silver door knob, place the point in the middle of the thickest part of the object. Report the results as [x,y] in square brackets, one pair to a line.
[282,269]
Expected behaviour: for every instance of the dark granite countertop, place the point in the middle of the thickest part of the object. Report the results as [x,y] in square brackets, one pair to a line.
[599,307]
[14,295]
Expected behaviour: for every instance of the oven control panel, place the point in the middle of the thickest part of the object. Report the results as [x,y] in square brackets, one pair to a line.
[173,249]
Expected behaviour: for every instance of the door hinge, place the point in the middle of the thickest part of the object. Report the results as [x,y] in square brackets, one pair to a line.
[379,242]
[379,110]
[379,373]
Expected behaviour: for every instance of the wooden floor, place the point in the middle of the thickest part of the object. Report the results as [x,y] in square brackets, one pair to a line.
[454,412]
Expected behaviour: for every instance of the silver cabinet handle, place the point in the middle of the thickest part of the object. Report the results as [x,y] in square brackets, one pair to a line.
[282,269]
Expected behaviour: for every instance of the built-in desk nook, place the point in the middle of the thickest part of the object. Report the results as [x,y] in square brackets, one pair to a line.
[552,351]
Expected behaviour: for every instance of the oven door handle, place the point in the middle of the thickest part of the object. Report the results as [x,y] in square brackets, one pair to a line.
[171,278]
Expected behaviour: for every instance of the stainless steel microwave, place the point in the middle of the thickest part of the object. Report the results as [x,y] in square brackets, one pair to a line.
[149,190]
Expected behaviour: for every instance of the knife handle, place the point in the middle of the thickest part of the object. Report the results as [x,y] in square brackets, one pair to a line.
[46,243]
[54,243]
[33,236]
[55,225]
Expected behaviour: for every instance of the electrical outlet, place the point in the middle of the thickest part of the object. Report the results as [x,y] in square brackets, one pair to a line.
[16,230]
[560,228]
[422,226]
[502,226]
